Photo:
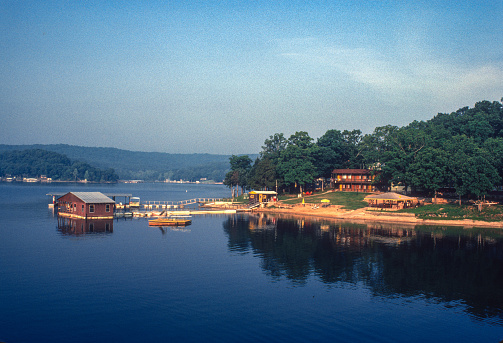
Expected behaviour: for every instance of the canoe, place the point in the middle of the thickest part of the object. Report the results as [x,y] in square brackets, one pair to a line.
[169,222]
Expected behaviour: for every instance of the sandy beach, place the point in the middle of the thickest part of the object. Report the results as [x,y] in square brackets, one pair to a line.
[368,215]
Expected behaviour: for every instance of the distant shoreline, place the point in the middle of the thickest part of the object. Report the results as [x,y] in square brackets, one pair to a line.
[106,182]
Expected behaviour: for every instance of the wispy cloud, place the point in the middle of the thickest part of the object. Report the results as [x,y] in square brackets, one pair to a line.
[400,74]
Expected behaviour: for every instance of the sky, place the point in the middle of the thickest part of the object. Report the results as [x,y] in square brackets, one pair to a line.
[220,77]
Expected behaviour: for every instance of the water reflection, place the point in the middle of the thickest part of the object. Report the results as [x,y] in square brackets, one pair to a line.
[165,229]
[78,227]
[450,265]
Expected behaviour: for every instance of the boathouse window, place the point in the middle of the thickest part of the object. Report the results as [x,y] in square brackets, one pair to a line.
[91,208]
[107,207]
[83,208]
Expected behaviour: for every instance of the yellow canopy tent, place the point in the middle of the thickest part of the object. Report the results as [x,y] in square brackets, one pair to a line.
[325,202]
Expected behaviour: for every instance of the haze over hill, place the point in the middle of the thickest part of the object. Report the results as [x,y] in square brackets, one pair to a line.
[141,165]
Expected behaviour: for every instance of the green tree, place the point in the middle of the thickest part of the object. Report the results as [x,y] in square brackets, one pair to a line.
[495,147]
[295,165]
[273,146]
[332,153]
[353,149]
[470,167]
[263,175]
[430,170]
[300,139]
[264,172]
[238,175]
[395,150]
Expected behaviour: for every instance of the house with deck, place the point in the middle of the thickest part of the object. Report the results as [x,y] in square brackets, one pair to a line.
[86,205]
[353,180]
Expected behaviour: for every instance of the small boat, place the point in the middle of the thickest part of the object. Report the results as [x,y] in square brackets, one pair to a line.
[169,222]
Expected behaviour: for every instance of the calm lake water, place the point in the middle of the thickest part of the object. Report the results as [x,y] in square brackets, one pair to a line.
[240,278]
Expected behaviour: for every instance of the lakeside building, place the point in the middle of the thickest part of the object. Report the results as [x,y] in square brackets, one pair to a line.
[353,180]
[86,205]
[262,196]
[9,178]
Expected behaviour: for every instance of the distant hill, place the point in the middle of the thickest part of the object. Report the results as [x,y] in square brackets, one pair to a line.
[142,165]
[33,163]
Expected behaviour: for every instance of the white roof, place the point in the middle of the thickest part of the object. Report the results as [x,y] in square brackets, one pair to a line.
[264,192]
[93,197]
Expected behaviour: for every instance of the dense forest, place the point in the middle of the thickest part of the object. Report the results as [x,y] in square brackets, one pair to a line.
[148,166]
[37,162]
[461,151]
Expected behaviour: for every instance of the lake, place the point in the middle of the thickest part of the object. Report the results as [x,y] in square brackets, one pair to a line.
[240,278]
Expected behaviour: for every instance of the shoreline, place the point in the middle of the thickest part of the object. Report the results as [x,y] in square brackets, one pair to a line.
[367,216]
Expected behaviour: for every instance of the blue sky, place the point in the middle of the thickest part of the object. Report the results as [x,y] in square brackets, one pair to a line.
[222,76]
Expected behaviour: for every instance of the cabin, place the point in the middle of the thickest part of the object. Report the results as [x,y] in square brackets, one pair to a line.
[262,196]
[353,180]
[86,205]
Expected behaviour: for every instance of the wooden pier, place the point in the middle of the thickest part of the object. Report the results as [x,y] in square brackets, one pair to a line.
[159,208]
[166,205]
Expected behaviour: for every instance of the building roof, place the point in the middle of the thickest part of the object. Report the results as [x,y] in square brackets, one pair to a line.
[107,194]
[390,196]
[264,192]
[351,171]
[92,197]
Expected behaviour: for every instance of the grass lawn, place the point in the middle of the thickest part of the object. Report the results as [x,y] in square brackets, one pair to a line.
[452,211]
[348,200]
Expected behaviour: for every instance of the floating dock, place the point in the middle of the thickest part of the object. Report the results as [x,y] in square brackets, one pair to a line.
[169,222]
[181,212]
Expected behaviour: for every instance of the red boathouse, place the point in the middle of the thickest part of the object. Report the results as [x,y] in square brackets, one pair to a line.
[86,205]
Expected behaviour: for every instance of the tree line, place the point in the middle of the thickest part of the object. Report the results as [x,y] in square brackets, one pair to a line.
[37,162]
[462,150]
[148,166]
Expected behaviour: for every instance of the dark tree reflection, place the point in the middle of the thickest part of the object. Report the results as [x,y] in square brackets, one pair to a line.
[441,264]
